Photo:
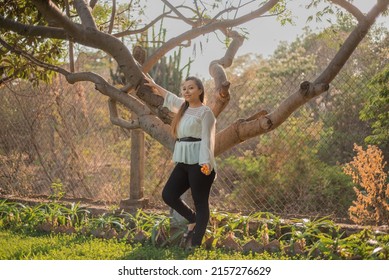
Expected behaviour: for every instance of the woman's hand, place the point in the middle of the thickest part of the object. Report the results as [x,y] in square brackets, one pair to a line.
[149,81]
[155,87]
[206,169]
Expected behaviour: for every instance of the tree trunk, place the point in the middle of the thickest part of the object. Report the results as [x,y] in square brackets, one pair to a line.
[137,164]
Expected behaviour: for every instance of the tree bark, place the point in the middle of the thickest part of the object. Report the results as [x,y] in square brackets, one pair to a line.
[137,172]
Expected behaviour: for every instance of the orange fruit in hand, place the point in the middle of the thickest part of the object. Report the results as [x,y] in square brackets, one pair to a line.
[205,169]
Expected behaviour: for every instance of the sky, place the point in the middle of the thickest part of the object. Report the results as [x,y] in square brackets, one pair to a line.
[264,34]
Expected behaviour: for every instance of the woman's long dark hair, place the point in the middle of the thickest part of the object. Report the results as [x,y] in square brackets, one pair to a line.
[185,105]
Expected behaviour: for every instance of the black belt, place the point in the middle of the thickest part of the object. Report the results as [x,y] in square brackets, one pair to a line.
[188,139]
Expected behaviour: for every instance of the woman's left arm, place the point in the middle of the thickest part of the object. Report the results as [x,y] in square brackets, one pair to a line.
[207,146]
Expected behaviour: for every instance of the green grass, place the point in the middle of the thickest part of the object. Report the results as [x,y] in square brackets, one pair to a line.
[21,246]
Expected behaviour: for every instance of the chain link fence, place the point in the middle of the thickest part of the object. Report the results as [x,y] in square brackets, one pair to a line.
[58,140]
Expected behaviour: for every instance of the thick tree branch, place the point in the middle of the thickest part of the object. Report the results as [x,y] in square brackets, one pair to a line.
[262,122]
[94,38]
[351,43]
[350,8]
[241,130]
[147,120]
[51,12]
[216,70]
[30,30]
[245,129]
[84,13]
[93,3]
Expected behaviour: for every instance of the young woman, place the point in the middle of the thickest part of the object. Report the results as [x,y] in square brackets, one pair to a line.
[194,129]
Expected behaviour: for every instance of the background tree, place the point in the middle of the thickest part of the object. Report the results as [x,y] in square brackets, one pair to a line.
[376,111]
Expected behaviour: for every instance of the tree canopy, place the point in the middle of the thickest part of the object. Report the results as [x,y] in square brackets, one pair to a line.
[40,35]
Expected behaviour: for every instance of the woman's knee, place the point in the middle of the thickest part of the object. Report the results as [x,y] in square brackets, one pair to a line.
[168,197]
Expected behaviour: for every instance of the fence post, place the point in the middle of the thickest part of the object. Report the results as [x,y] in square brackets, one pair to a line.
[137,172]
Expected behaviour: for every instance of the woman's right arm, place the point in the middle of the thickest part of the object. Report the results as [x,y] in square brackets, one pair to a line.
[171,101]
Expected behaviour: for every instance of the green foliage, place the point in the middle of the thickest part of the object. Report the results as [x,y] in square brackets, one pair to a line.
[318,238]
[284,16]
[52,51]
[48,50]
[57,190]
[18,216]
[350,91]
[376,109]
[325,9]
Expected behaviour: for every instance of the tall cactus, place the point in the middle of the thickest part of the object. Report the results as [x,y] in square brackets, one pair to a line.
[168,71]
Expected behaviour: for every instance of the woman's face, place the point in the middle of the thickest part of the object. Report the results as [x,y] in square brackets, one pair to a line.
[191,92]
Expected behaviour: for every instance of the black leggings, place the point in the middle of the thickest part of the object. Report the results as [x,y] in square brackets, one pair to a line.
[183,177]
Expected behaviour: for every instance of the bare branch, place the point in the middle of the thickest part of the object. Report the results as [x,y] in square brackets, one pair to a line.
[84,13]
[116,120]
[216,70]
[230,9]
[71,45]
[255,14]
[178,13]
[195,32]
[350,8]
[137,31]
[197,9]
[112,20]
